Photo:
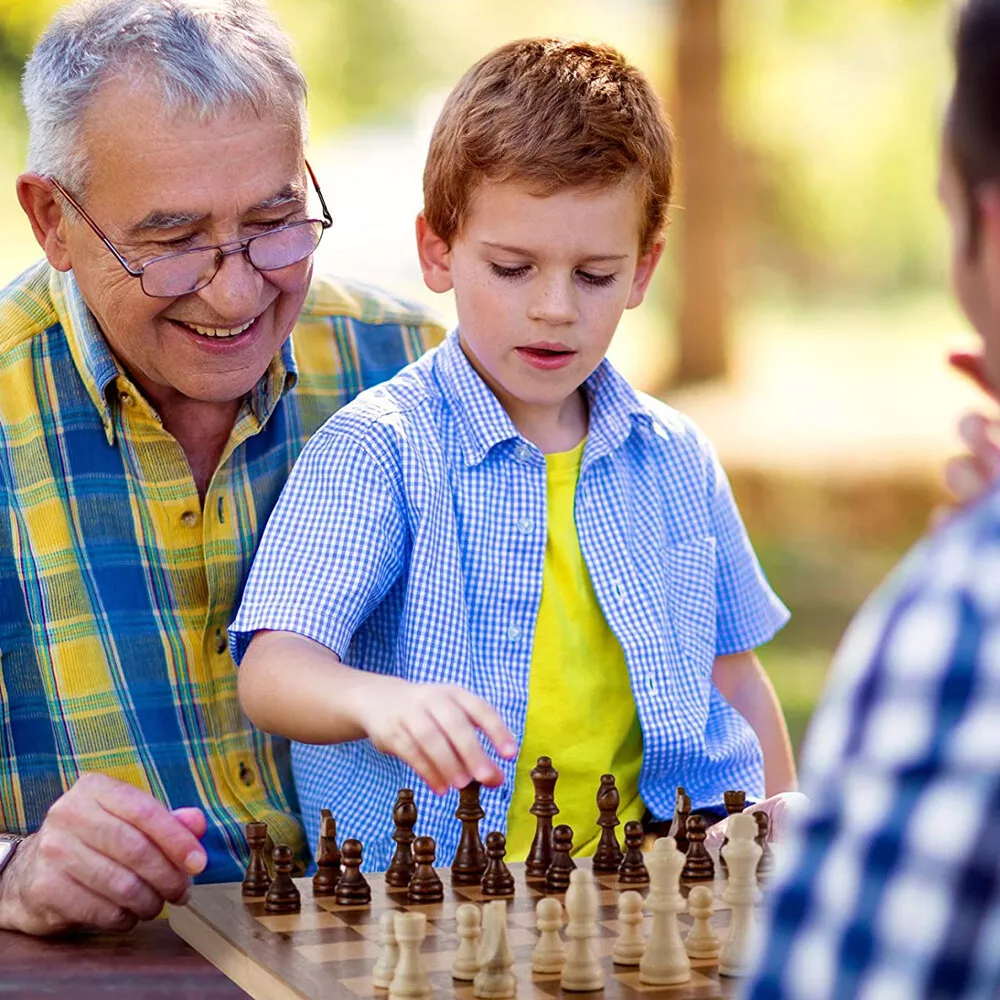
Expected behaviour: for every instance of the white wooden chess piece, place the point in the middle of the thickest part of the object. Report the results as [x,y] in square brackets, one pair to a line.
[388,957]
[582,971]
[549,954]
[742,856]
[702,941]
[495,979]
[665,962]
[631,941]
[466,964]
[410,981]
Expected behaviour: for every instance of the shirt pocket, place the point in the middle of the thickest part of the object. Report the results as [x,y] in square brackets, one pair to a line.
[691,600]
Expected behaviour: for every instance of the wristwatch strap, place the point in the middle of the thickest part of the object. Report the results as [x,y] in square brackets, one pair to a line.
[8,847]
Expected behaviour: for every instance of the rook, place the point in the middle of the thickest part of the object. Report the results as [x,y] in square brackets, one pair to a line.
[257,879]
[410,981]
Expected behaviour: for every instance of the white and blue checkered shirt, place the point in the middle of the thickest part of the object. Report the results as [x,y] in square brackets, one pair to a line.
[893,884]
[410,539]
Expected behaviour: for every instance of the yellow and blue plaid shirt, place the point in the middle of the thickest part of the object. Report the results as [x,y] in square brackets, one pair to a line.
[117,583]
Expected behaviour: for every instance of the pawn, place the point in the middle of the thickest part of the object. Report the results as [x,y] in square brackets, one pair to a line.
[549,954]
[468,921]
[702,941]
[632,870]
[327,859]
[257,879]
[283,894]
[631,941]
[497,879]
[352,888]
[698,863]
[557,875]
[425,884]
[385,967]
[766,864]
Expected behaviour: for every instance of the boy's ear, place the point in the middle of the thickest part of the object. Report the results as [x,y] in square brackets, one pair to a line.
[644,274]
[435,257]
[45,214]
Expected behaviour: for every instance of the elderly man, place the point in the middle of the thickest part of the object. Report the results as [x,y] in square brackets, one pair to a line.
[159,373]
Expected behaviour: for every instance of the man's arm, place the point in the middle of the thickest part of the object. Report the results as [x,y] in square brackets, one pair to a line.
[743,683]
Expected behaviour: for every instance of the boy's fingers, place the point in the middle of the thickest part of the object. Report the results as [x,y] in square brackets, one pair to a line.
[964,478]
[973,366]
[409,750]
[437,747]
[464,737]
[486,718]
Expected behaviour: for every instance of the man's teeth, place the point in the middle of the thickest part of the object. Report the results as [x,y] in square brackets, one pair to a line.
[219,331]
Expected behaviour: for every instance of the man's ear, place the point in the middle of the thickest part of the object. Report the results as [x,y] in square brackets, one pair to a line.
[644,274]
[435,257]
[37,198]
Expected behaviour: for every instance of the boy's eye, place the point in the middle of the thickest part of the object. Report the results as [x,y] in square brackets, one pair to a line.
[518,271]
[597,280]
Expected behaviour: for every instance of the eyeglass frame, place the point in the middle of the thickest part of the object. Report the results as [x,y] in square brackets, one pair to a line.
[239,245]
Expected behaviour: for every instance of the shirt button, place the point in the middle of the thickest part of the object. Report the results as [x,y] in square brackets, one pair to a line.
[189,519]
[514,632]
[651,683]
[525,525]
[616,586]
[127,399]
[246,775]
[221,645]
[522,452]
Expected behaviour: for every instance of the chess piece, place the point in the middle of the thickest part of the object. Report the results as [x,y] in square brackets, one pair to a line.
[410,981]
[495,978]
[497,879]
[543,777]
[735,802]
[557,877]
[470,857]
[327,859]
[742,857]
[282,895]
[632,870]
[352,887]
[257,879]
[678,828]
[549,954]
[608,856]
[425,884]
[665,962]
[388,958]
[404,817]
[698,863]
[582,970]
[631,941]
[702,942]
[467,923]
[766,865]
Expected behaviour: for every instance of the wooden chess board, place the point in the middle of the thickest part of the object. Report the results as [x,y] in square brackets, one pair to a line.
[328,951]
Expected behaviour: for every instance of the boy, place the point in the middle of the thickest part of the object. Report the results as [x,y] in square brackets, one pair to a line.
[506,543]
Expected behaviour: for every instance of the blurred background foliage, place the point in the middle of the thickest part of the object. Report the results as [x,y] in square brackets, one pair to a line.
[837,409]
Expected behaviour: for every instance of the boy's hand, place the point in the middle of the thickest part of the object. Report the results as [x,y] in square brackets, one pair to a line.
[435,729]
[780,809]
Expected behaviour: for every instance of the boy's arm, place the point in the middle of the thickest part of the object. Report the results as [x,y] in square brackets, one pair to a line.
[743,683]
[291,685]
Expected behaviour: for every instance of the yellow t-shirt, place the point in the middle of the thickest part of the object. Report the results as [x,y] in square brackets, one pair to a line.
[581,711]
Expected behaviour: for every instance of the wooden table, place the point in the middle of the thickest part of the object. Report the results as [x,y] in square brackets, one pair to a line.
[150,963]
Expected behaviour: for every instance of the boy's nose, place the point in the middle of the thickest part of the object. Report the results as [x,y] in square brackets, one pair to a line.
[555,303]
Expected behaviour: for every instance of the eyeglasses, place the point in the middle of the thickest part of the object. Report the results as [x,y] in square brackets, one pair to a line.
[172,275]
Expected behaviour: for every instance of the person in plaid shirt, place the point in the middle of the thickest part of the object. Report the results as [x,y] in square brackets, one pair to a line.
[892,888]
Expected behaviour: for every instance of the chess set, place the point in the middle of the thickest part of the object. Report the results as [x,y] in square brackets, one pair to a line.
[669,922]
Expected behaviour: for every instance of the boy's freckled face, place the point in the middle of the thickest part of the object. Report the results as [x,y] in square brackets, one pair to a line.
[541,283]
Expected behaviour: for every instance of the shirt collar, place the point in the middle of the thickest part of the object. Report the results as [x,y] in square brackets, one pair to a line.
[483,422]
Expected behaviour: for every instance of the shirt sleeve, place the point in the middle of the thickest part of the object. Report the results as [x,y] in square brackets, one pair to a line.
[333,547]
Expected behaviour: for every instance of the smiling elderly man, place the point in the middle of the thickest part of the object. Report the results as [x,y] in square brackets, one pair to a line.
[159,373]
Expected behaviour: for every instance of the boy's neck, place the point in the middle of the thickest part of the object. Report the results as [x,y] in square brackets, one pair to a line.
[551,429]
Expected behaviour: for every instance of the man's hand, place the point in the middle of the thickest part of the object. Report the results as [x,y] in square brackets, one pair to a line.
[780,809]
[435,729]
[106,856]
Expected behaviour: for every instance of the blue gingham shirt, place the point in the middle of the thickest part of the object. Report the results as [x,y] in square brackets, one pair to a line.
[893,881]
[410,539]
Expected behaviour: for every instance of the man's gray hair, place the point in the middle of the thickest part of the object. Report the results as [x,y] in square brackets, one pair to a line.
[205,56]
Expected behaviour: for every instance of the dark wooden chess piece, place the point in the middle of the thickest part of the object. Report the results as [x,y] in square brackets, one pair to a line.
[404,816]
[425,885]
[352,888]
[497,880]
[698,864]
[735,802]
[327,858]
[257,880]
[543,777]
[766,864]
[282,895]
[678,828]
[632,870]
[608,856]
[557,876]
[470,857]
